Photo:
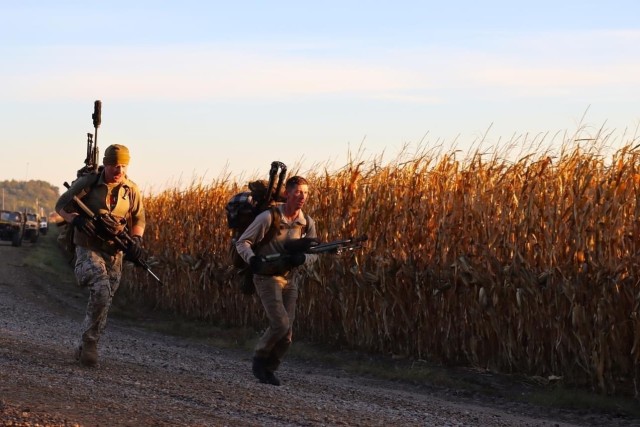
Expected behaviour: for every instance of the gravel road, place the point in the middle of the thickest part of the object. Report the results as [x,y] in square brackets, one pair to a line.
[149,379]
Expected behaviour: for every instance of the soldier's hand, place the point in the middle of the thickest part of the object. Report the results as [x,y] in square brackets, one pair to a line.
[84,224]
[135,252]
[256,264]
[297,259]
[301,245]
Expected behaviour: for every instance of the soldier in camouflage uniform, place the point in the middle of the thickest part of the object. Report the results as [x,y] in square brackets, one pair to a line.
[98,263]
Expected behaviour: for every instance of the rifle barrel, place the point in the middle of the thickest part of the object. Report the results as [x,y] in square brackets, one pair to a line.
[339,245]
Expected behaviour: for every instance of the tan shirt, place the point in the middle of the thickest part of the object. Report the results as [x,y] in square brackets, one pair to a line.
[122,200]
[287,231]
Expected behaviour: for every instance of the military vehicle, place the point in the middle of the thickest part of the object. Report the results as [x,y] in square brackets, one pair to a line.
[44,225]
[11,227]
[32,227]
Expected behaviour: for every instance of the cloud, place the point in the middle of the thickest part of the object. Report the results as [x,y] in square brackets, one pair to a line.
[546,64]
[533,65]
[199,72]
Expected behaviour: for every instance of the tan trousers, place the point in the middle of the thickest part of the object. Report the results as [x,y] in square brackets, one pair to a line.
[278,296]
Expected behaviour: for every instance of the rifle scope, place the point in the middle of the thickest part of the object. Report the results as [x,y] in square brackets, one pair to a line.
[97,113]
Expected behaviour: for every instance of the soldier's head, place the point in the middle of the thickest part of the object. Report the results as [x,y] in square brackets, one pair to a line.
[296,191]
[116,160]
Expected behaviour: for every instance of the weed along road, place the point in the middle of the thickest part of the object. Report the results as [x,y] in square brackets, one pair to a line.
[145,378]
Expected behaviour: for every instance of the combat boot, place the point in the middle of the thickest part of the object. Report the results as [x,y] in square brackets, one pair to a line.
[271,365]
[271,378]
[89,353]
[259,370]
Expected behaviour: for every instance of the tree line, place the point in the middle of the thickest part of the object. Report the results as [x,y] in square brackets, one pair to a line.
[32,196]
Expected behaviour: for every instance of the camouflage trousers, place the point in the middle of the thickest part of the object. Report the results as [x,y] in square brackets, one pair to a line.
[101,273]
[278,296]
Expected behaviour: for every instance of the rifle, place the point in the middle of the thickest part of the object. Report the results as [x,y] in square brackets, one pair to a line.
[280,262]
[273,188]
[339,246]
[91,162]
[311,246]
[283,173]
[122,239]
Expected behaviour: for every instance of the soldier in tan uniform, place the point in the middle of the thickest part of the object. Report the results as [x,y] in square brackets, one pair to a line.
[278,292]
[98,263]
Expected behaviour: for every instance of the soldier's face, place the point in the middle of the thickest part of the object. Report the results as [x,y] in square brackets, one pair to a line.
[114,173]
[297,196]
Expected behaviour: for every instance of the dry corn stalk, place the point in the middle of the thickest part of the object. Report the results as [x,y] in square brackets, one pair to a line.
[522,266]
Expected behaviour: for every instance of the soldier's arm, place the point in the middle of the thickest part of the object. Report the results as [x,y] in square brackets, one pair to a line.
[64,201]
[312,233]
[138,217]
[254,233]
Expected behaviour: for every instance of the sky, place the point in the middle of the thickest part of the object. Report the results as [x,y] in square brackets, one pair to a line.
[200,90]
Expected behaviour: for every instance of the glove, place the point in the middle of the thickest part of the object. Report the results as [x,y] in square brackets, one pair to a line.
[135,252]
[84,224]
[301,245]
[256,263]
[297,259]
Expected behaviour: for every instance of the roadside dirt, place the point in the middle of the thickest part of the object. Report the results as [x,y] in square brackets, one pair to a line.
[150,379]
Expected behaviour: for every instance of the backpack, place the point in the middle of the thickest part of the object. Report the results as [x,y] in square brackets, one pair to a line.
[243,208]
[241,211]
[67,231]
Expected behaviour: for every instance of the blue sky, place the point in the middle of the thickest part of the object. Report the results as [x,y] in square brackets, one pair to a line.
[198,89]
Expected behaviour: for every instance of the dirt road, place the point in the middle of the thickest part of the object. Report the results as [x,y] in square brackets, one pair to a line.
[149,379]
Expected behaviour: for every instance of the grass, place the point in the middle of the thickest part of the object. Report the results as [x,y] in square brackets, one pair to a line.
[469,382]
[170,324]
[46,256]
[387,368]
[581,400]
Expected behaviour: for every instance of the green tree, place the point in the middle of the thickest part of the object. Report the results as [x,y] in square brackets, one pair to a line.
[31,196]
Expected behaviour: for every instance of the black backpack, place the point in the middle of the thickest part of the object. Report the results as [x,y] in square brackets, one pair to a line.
[244,207]
[65,237]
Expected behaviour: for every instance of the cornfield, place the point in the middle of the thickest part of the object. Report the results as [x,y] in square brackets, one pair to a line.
[528,266]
